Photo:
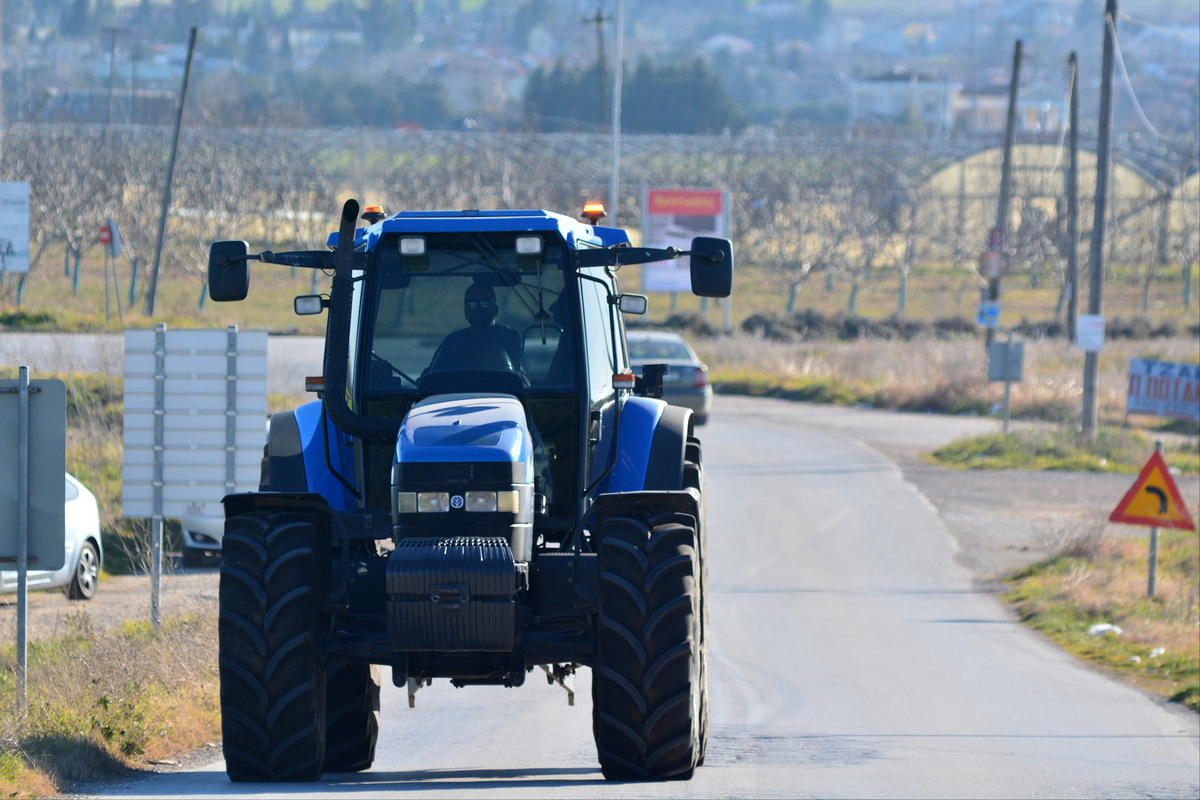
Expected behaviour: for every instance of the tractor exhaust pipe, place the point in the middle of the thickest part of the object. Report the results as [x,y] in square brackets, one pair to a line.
[337,341]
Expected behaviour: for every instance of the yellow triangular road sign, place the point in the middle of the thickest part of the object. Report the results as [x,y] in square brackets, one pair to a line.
[1154,499]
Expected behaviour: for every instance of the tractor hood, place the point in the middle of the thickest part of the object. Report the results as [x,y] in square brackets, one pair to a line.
[466,428]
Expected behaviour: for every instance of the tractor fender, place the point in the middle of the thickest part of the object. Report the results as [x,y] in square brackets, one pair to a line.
[650,446]
[297,457]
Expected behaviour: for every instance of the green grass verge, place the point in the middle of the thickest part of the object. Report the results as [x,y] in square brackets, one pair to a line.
[1100,580]
[831,390]
[1115,450]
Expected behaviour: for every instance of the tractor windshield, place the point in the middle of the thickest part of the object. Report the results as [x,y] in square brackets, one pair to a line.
[466,312]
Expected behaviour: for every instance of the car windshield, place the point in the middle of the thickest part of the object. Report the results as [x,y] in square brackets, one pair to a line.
[664,349]
[470,315]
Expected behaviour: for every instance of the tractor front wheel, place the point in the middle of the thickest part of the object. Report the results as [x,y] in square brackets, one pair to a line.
[272,670]
[647,696]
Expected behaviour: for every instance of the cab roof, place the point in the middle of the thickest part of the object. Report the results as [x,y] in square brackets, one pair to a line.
[571,230]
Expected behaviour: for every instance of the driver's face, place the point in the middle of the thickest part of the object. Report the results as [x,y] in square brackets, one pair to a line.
[479,311]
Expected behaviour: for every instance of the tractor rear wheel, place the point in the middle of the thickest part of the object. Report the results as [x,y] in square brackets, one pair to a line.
[272,671]
[647,702]
[351,716]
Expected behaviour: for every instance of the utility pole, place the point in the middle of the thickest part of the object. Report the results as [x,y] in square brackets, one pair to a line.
[1073,201]
[1091,361]
[112,71]
[618,74]
[601,60]
[1000,232]
[166,200]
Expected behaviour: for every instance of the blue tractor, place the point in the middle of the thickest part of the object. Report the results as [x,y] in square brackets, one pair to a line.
[482,489]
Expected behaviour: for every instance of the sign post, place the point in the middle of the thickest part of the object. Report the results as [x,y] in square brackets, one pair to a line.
[1154,500]
[32,511]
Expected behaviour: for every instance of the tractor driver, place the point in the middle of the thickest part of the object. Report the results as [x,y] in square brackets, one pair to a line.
[486,344]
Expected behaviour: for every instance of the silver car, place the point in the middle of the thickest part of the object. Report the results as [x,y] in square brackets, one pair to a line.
[685,382]
[80,574]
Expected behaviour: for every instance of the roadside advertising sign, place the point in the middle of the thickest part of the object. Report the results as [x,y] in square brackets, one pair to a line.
[1089,333]
[1163,389]
[672,218]
[14,226]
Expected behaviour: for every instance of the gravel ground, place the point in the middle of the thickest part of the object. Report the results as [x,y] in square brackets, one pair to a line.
[120,598]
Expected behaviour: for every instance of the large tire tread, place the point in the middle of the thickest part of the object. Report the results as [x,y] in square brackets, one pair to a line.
[272,673]
[351,716]
[645,690]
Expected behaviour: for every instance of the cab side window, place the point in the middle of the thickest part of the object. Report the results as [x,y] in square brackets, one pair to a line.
[598,339]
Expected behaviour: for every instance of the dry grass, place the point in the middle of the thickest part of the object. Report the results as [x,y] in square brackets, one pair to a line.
[99,703]
[942,375]
[1099,576]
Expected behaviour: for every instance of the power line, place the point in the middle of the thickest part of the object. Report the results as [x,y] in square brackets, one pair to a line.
[1128,84]
[1161,28]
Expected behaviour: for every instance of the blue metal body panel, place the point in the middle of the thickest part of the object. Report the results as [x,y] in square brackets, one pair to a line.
[466,428]
[639,418]
[341,455]
[572,231]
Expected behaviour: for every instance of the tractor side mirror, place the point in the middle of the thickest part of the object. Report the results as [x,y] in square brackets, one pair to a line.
[712,267]
[228,276]
[632,303]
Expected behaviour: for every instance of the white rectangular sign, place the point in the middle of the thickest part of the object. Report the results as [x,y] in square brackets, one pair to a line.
[672,218]
[14,226]
[1089,333]
[213,409]
[1163,389]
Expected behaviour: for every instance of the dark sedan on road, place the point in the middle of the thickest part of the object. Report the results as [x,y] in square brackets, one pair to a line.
[685,382]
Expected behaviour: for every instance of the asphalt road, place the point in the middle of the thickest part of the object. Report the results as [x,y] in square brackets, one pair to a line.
[852,656]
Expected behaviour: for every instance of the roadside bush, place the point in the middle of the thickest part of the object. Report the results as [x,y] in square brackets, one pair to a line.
[770,326]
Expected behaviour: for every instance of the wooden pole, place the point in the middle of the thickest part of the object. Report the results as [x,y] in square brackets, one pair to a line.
[152,290]
[1091,361]
[1010,136]
[1073,201]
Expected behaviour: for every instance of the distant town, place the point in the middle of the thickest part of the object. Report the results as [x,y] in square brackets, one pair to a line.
[933,68]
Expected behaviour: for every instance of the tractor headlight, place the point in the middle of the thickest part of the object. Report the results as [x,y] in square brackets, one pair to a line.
[433,501]
[481,501]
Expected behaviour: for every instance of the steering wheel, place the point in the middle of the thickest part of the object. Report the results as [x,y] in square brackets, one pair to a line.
[379,361]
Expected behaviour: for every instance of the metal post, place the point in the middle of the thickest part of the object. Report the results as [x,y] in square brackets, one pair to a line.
[166,200]
[156,521]
[1010,135]
[1073,203]
[614,190]
[1091,362]
[1008,348]
[112,71]
[107,291]
[1152,559]
[22,534]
